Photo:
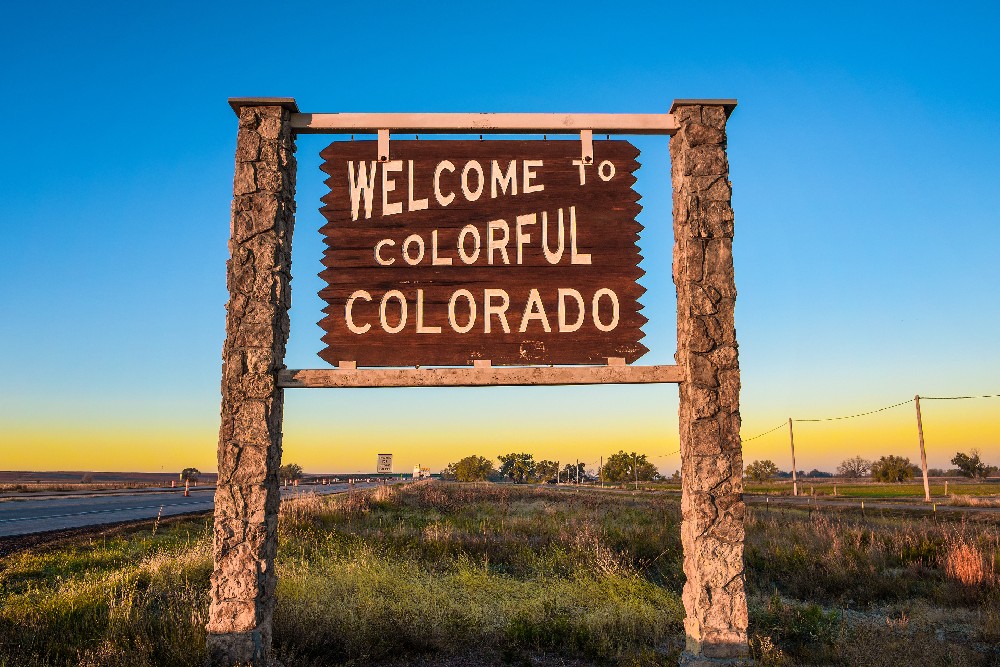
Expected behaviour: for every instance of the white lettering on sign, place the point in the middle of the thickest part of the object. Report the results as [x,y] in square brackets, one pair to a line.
[383,306]
[564,325]
[500,311]
[361,184]
[388,185]
[412,204]
[468,244]
[435,260]
[552,257]
[463,255]
[442,199]
[534,238]
[606,171]
[534,310]
[529,175]
[462,312]
[473,195]
[503,179]
[471,322]
[493,243]
[411,240]
[574,256]
[472,181]
[421,329]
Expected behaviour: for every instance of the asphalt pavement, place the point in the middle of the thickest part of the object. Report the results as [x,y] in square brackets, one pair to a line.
[37,515]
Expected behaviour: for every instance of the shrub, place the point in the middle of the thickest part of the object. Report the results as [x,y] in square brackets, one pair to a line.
[892,469]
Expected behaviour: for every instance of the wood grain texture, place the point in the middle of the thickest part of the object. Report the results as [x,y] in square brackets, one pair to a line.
[478,377]
[606,229]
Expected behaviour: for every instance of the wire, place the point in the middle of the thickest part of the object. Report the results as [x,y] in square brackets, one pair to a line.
[761,435]
[955,398]
[860,414]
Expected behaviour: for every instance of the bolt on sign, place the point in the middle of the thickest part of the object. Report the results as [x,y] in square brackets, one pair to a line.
[518,252]
[384,463]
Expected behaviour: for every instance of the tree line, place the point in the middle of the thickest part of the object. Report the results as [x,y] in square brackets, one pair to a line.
[885,469]
[522,468]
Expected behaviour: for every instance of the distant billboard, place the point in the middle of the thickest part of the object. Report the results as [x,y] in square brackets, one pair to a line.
[384,463]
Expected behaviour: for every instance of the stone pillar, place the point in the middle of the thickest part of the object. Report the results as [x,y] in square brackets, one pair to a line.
[711,458]
[258,275]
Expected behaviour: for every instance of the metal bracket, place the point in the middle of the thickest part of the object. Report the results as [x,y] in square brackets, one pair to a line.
[383,145]
[587,140]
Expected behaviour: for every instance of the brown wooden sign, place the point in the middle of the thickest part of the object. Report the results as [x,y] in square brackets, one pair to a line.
[517,252]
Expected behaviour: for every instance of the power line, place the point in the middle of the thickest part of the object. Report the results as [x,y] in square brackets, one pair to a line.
[860,414]
[956,398]
[761,435]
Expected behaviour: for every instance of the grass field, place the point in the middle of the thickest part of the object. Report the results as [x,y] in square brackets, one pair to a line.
[515,575]
[913,490]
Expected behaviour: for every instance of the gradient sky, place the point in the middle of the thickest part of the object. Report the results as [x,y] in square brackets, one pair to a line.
[864,160]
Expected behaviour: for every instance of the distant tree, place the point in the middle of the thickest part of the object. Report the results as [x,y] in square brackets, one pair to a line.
[935,472]
[972,466]
[676,477]
[546,470]
[87,478]
[290,472]
[570,471]
[854,467]
[190,475]
[820,474]
[518,467]
[470,469]
[758,471]
[892,469]
[627,466]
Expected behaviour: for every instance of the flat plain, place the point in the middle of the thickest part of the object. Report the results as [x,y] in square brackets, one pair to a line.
[439,573]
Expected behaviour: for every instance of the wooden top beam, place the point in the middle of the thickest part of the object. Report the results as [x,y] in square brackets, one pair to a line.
[482,376]
[484,123]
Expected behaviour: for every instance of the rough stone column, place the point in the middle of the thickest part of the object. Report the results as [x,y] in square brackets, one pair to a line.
[258,275]
[711,458]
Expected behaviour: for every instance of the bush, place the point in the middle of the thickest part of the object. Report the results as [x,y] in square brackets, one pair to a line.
[758,471]
[892,469]
[805,631]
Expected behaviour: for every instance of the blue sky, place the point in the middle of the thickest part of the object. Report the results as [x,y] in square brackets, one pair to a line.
[864,160]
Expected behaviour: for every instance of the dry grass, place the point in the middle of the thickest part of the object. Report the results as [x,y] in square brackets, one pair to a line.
[435,573]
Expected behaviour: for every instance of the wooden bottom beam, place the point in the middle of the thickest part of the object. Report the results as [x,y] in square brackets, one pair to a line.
[489,376]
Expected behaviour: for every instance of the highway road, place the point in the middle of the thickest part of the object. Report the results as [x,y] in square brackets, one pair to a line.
[25,516]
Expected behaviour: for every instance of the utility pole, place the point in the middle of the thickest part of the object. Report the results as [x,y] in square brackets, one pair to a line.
[601,469]
[635,469]
[557,473]
[923,452]
[578,472]
[795,475]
